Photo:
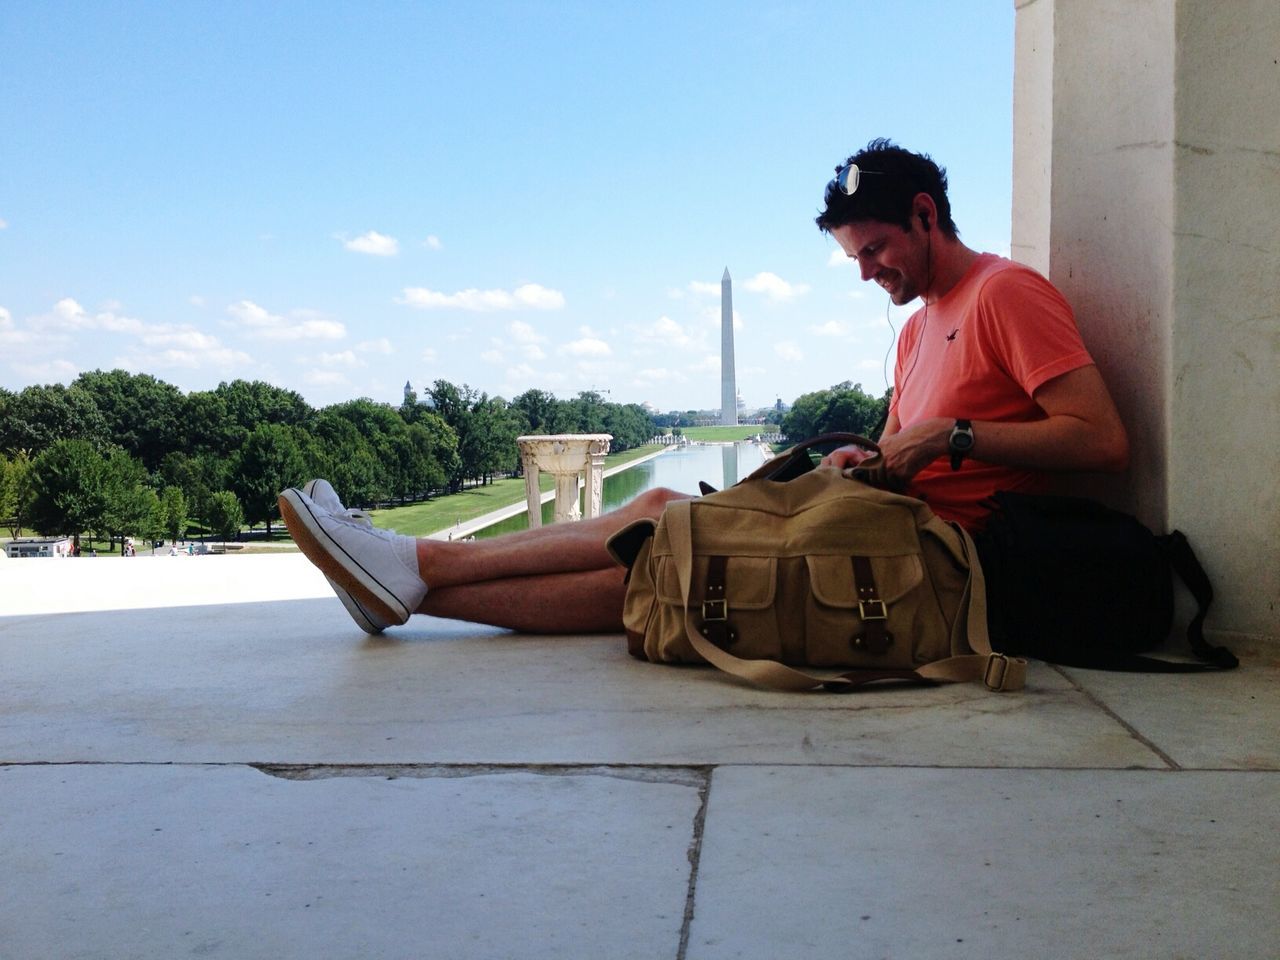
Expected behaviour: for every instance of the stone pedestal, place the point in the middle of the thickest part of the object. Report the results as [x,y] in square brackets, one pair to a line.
[568,457]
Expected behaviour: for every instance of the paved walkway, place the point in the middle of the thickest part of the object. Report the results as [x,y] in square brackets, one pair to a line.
[203,757]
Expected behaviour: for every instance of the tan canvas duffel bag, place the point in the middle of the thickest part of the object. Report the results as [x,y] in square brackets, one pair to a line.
[820,569]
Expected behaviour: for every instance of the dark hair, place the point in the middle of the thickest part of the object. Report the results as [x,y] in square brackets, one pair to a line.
[888,198]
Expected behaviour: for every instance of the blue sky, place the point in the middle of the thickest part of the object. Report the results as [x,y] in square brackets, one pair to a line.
[338,198]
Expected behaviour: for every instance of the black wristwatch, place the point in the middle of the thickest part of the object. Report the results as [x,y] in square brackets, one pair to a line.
[960,442]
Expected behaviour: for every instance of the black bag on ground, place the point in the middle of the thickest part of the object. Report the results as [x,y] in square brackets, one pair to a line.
[1074,582]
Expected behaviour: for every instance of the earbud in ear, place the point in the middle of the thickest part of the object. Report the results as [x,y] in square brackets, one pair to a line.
[924,221]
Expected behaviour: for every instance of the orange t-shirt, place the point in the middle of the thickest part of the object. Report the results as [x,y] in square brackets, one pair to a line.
[980,353]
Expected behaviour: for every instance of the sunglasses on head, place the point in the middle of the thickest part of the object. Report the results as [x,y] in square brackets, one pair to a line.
[849,175]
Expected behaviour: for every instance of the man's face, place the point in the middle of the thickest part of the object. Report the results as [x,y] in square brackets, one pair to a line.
[897,260]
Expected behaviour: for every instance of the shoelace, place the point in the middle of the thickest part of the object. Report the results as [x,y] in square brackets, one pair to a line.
[358,518]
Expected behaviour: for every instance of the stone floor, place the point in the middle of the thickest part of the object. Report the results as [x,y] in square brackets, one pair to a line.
[203,757]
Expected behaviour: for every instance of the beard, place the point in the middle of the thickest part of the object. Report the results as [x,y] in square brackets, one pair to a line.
[901,290]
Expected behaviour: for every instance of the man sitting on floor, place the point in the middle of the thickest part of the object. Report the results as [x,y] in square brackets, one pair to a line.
[994,390]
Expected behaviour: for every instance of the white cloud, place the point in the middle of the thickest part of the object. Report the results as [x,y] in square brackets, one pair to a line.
[187,338]
[6,319]
[788,351]
[380,345]
[68,314]
[703,289]
[304,325]
[832,328]
[521,332]
[774,287]
[325,378]
[433,242]
[669,333]
[219,357]
[50,372]
[4,224]
[587,347]
[493,356]
[375,244]
[539,297]
[651,375]
[531,295]
[430,355]
[344,358]
[839,258]
[196,300]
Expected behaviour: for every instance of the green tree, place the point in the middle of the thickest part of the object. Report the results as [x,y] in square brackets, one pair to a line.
[250,404]
[454,406]
[36,417]
[173,509]
[225,516]
[630,425]
[842,408]
[8,490]
[143,415]
[18,479]
[127,500]
[67,490]
[273,458]
[210,427]
[349,461]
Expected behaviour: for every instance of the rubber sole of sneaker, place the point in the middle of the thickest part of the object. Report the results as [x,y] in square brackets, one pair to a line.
[364,620]
[336,564]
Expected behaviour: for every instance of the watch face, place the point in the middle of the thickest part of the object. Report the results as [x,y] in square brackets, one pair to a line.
[961,440]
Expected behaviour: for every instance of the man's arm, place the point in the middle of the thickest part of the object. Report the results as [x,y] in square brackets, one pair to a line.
[1081,431]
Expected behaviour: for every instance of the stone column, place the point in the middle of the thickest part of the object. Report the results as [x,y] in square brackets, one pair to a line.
[568,457]
[1146,185]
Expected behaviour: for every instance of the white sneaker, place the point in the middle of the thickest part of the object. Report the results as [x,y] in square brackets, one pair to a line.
[378,568]
[326,498]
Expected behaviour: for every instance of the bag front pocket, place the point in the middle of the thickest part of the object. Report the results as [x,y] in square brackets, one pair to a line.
[869,612]
[746,615]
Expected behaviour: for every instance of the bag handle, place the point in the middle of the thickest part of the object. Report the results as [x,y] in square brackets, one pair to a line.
[796,461]
[995,670]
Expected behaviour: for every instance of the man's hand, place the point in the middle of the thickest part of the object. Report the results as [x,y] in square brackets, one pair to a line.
[849,456]
[905,452]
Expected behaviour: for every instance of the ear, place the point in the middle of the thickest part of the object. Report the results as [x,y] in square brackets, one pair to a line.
[924,211]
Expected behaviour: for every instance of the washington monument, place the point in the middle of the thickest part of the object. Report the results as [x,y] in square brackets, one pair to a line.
[728,384]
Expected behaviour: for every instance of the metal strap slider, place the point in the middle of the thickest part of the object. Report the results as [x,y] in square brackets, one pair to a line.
[872,610]
[997,668]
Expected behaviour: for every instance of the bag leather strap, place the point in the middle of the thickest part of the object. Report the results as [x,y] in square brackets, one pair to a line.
[995,670]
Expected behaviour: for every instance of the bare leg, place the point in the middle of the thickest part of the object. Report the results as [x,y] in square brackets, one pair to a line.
[579,602]
[558,549]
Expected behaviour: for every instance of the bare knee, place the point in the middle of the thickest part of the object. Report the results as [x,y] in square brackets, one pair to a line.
[651,503]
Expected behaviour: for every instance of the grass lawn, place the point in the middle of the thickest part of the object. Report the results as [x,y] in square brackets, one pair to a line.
[421,519]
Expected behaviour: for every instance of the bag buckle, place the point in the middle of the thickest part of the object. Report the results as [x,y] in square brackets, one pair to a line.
[872,610]
[714,611]
[997,669]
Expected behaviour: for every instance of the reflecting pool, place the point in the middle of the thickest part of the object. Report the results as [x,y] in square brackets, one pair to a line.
[680,468]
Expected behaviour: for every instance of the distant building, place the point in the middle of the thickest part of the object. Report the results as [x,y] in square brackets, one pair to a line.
[38,547]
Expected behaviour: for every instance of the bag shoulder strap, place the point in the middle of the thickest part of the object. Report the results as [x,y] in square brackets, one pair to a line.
[995,670]
[1187,566]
